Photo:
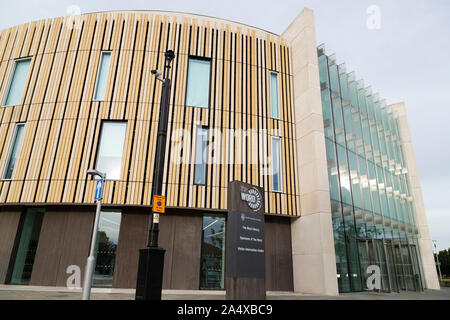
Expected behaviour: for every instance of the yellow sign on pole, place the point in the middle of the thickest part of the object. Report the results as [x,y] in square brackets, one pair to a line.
[159,204]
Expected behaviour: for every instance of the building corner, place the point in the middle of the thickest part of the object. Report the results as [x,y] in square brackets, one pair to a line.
[425,247]
[313,255]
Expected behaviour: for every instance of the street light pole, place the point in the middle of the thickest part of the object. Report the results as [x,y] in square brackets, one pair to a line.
[437,259]
[90,265]
[151,259]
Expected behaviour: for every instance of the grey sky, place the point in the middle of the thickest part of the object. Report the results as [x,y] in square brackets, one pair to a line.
[405,60]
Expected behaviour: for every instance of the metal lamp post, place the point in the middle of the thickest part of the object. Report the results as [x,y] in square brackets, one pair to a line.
[437,259]
[90,265]
[151,259]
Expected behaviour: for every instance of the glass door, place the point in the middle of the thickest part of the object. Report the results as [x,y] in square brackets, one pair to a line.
[364,260]
[408,269]
[399,267]
[391,265]
[385,287]
[212,266]
[417,272]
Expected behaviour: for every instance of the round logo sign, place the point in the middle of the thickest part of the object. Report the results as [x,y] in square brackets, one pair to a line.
[253,198]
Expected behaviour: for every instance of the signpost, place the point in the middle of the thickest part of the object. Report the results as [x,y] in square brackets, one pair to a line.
[99,190]
[90,265]
[245,244]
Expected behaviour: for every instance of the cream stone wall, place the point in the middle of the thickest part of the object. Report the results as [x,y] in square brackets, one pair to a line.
[314,263]
[425,247]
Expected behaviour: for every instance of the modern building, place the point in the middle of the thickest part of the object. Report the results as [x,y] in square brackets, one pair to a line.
[336,163]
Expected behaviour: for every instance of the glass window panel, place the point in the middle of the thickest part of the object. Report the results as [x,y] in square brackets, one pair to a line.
[353,258]
[200,156]
[338,121]
[374,188]
[274,97]
[276,164]
[354,176]
[198,83]
[344,86]
[110,151]
[102,76]
[332,170]
[344,175]
[18,81]
[340,248]
[14,151]
[334,78]
[212,275]
[26,251]
[106,247]
[327,115]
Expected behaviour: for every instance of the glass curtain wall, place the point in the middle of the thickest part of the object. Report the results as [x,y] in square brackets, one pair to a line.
[373,214]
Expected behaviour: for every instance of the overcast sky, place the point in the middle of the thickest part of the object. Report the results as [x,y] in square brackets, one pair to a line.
[406,59]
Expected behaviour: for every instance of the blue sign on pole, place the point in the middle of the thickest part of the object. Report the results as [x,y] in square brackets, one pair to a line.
[99,190]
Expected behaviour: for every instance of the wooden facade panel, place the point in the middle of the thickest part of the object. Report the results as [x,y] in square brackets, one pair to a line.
[63,123]
[9,223]
[64,241]
[133,236]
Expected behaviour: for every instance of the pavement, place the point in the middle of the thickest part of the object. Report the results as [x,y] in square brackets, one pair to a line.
[10,292]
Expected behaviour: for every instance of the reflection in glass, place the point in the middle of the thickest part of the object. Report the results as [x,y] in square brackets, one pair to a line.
[200,156]
[102,76]
[212,275]
[276,164]
[106,247]
[197,92]
[110,152]
[18,81]
[274,108]
[14,151]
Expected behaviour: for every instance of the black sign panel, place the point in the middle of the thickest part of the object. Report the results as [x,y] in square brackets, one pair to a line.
[245,232]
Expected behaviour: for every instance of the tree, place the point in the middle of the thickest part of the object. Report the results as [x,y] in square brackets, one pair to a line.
[444,259]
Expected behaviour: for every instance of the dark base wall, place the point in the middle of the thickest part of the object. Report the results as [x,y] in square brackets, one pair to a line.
[9,222]
[279,275]
[66,233]
[64,241]
[180,235]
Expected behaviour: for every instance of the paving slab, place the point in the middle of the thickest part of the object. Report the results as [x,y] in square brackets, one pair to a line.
[55,293]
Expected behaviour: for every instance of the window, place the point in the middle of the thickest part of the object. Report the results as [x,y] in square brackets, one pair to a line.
[12,158]
[17,82]
[197,94]
[102,76]
[106,247]
[110,150]
[212,267]
[26,250]
[274,107]
[200,156]
[276,164]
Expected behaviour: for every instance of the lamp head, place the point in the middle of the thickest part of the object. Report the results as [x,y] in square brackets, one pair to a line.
[94,173]
[156,73]
[170,55]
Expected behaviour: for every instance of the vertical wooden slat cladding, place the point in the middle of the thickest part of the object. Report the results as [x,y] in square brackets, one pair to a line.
[63,122]
[64,241]
[9,223]
[279,275]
